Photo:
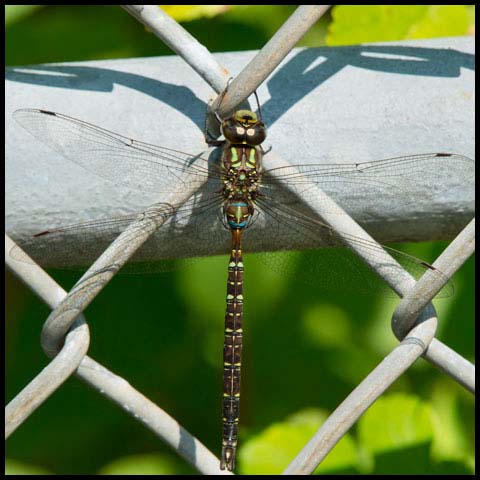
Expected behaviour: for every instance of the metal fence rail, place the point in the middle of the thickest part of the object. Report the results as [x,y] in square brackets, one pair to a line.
[65,335]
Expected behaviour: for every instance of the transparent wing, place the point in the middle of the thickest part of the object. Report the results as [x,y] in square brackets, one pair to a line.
[334,267]
[149,167]
[120,159]
[395,179]
[195,226]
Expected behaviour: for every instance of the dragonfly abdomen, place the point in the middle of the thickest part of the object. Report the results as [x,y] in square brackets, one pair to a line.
[232,353]
[238,214]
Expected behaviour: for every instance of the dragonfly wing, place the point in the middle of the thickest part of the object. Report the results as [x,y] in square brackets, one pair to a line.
[181,231]
[119,159]
[334,267]
[398,181]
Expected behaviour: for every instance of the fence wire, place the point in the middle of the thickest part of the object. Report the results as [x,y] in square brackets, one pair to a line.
[65,335]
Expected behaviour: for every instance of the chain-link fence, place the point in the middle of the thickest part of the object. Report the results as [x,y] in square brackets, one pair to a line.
[65,335]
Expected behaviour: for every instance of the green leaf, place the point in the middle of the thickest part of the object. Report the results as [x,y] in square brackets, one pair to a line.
[186,13]
[150,464]
[14,467]
[450,442]
[335,332]
[394,422]
[396,432]
[353,24]
[451,468]
[441,21]
[15,13]
[471,19]
[274,448]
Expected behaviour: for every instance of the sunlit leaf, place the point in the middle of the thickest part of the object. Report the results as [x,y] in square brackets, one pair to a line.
[441,21]
[471,19]
[353,24]
[186,13]
[274,448]
[395,421]
[15,13]
[14,467]
[450,442]
[152,464]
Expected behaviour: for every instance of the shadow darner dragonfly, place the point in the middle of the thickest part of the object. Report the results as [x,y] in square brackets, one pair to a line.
[238,195]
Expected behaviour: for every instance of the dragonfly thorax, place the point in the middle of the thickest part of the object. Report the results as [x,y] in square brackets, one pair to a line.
[241,166]
[239,190]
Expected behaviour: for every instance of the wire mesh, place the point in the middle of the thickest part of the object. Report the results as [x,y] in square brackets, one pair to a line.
[65,335]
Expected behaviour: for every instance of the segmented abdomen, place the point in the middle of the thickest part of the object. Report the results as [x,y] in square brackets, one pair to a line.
[232,354]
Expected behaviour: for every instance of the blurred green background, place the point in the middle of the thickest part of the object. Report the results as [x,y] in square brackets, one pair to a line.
[304,350]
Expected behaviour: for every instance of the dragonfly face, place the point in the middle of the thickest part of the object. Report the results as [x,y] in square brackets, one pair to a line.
[244,128]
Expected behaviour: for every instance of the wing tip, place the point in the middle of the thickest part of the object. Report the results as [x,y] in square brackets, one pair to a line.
[21,111]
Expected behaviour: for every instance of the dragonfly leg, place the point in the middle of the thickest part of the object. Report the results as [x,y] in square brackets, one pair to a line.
[209,138]
[264,152]
[212,141]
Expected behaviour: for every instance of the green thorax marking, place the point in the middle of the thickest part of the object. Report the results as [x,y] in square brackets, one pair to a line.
[236,162]
[238,155]
[252,159]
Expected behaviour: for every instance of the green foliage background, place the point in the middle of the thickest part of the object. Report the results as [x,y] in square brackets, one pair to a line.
[304,351]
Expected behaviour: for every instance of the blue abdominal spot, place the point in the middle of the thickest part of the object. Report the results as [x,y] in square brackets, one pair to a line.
[234,224]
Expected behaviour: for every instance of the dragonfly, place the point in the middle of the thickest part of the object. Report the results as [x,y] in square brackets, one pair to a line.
[236,195]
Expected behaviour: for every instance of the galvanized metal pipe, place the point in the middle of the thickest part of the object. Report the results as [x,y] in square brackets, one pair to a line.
[430,109]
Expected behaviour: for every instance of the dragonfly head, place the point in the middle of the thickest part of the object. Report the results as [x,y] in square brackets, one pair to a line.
[244,127]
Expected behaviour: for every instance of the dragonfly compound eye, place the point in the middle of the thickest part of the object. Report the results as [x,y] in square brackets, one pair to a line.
[256,134]
[244,132]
